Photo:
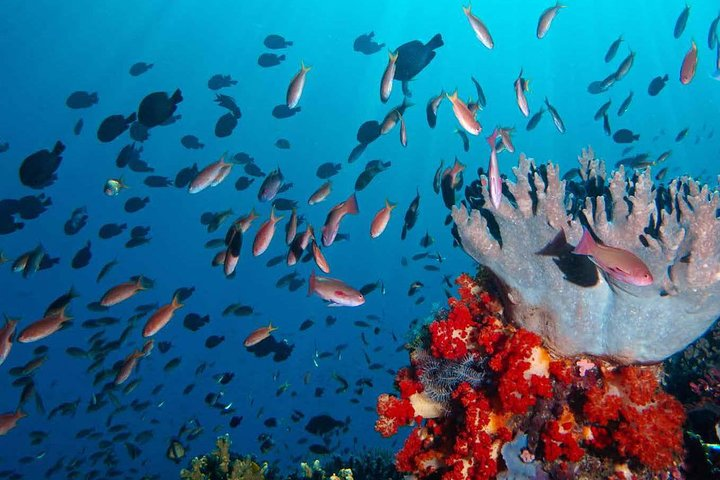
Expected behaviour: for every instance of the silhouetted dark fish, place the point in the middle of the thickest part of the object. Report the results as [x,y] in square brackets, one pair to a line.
[140,166]
[284,204]
[78,219]
[323,424]
[127,154]
[157,181]
[135,204]
[681,134]
[139,231]
[464,138]
[282,143]
[612,50]
[276,42]
[228,102]
[283,111]
[368,132]
[365,44]
[657,84]
[114,126]
[194,322]
[139,132]
[38,169]
[411,216]
[625,105]
[253,170]
[191,142]
[413,57]
[267,60]
[681,21]
[225,125]
[110,230]
[81,99]
[356,152]
[157,107]
[306,324]
[218,81]
[213,341]
[139,68]
[77,129]
[185,176]
[82,257]
[4,147]
[372,168]
[243,183]
[535,119]
[327,170]
[625,136]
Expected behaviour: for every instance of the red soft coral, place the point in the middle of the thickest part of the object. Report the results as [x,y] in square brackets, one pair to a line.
[450,338]
[393,413]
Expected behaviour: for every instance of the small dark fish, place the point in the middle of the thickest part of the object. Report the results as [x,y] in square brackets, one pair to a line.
[306,324]
[559,125]
[157,181]
[465,140]
[139,132]
[657,84]
[606,125]
[191,142]
[368,132]
[282,143]
[225,125]
[411,216]
[139,68]
[228,102]
[712,38]
[82,257]
[158,107]
[38,169]
[114,126]
[327,170]
[356,152]
[128,154]
[135,204]
[427,240]
[194,322]
[534,120]
[172,364]
[213,341]
[366,45]
[267,60]
[284,204]
[77,129]
[622,70]
[235,421]
[185,176]
[625,136]
[663,156]
[81,99]
[218,81]
[243,183]
[480,94]
[110,230]
[613,49]
[661,174]
[681,22]
[602,110]
[139,231]
[283,111]
[681,134]
[319,449]
[164,347]
[105,269]
[276,42]
[625,105]
[78,219]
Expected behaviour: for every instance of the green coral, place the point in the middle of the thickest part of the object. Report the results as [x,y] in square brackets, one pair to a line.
[223,465]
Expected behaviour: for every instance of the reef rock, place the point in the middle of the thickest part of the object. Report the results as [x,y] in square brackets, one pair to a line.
[564,297]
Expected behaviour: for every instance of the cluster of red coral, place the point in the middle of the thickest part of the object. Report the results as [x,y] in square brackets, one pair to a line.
[613,414]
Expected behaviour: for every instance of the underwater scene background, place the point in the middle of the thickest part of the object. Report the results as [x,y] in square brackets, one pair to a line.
[323,364]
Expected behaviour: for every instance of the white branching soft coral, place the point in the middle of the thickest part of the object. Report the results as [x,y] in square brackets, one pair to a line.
[527,244]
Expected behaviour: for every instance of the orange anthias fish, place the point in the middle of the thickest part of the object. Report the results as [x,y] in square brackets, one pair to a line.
[382,217]
[619,264]
[546,19]
[121,292]
[319,258]
[321,193]
[127,367]
[161,317]
[505,135]
[332,222]
[244,223]
[6,335]
[265,234]
[337,292]
[44,327]
[455,173]
[494,178]
[386,83]
[259,335]
[291,228]
[481,31]
[464,115]
[8,421]
[403,131]
[297,84]
[209,174]
[689,65]
[521,86]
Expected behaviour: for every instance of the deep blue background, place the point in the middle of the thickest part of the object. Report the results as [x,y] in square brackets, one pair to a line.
[50,49]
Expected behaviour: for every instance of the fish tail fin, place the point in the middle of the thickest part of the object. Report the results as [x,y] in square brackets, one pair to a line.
[467,10]
[435,42]
[311,283]
[586,245]
[58,148]
[271,328]
[175,302]
[303,67]
[288,43]
[139,283]
[389,204]
[452,96]
[392,56]
[492,138]
[177,96]
[666,78]
[351,204]
[273,218]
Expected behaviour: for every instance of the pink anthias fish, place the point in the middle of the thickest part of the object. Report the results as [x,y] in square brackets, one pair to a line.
[619,264]
[332,222]
[521,86]
[297,84]
[546,19]
[8,421]
[259,335]
[386,83]
[210,176]
[689,65]
[494,179]
[481,31]
[464,116]
[337,292]
[6,335]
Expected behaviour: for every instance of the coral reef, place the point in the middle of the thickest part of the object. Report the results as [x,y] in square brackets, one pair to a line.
[563,297]
[521,411]
[221,464]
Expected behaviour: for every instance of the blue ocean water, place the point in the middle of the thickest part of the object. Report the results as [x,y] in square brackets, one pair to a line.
[50,49]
